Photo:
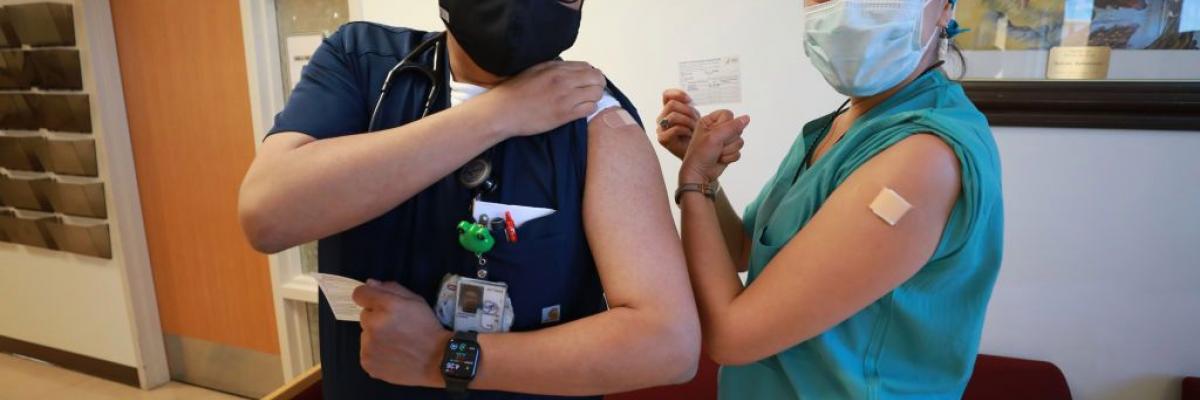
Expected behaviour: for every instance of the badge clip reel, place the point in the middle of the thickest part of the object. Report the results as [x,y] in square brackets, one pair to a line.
[477,237]
[466,304]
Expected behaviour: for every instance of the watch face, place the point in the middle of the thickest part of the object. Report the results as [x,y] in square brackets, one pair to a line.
[462,357]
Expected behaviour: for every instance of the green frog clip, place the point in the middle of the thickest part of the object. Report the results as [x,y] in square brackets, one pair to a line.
[476,238]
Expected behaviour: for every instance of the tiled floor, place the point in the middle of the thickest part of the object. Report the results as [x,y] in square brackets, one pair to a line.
[22,379]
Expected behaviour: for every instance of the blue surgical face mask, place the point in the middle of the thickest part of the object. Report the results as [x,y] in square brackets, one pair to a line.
[865,47]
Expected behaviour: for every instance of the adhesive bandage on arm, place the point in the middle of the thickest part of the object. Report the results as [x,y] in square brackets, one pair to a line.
[618,119]
[890,206]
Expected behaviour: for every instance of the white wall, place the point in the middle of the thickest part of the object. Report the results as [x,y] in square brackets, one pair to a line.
[101,308]
[1102,267]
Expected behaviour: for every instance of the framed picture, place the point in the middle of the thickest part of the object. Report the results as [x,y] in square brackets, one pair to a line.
[1124,64]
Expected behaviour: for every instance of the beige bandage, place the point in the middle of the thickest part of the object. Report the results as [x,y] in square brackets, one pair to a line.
[890,206]
[618,119]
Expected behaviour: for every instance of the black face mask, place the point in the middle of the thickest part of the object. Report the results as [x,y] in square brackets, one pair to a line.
[505,37]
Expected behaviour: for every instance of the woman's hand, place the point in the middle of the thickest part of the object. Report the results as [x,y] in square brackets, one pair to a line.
[544,97]
[716,143]
[677,122]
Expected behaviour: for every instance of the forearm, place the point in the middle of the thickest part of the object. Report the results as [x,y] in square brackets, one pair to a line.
[732,229]
[712,270]
[327,186]
[615,351]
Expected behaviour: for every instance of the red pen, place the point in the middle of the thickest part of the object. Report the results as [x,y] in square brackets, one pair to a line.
[510,227]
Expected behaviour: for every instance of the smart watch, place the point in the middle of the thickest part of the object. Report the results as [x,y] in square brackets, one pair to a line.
[460,363]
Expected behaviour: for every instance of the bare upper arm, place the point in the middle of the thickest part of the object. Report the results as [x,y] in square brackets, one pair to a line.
[627,218]
[847,257]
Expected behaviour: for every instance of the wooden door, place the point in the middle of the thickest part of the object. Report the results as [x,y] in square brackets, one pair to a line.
[183,69]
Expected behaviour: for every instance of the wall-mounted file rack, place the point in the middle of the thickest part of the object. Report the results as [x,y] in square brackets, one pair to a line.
[72,239]
[50,190]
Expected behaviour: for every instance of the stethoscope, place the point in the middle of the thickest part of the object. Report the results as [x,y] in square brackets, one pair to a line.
[410,63]
[477,174]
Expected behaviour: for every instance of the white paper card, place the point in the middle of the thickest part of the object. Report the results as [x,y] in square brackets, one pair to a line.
[338,291]
[712,81]
[520,214]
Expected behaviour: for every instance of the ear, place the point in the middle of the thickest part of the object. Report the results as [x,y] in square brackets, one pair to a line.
[946,16]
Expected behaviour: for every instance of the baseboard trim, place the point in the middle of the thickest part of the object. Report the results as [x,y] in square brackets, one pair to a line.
[72,361]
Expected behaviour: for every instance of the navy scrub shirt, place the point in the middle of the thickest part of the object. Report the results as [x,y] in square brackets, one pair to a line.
[416,244]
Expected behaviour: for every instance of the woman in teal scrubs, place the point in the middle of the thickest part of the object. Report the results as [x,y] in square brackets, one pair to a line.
[873,250]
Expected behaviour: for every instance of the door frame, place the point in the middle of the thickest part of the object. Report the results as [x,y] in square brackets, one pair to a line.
[292,290]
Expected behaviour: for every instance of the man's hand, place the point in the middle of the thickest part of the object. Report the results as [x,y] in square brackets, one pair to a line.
[402,341]
[544,97]
[716,144]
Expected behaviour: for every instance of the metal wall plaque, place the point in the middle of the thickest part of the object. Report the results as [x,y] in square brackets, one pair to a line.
[1083,62]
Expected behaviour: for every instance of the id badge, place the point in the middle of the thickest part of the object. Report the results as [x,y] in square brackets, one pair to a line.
[480,306]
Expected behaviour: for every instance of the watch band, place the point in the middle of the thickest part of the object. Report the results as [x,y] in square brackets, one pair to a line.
[708,189]
[456,388]
[467,335]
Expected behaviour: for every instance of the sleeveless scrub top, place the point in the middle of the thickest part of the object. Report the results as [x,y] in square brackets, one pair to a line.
[920,340]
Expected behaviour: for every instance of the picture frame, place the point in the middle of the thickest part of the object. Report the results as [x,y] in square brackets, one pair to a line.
[1110,64]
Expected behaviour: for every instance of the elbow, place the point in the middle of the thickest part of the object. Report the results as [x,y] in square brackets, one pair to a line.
[725,356]
[258,225]
[680,344]
[723,350]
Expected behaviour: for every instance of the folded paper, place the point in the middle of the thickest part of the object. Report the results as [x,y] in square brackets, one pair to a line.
[520,214]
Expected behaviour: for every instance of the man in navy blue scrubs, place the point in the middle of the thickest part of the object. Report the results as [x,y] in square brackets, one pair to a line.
[599,290]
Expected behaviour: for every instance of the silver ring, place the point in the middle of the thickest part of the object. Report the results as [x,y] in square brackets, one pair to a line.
[663,123]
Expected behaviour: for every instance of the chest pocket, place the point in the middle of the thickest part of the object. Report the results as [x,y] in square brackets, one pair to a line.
[542,269]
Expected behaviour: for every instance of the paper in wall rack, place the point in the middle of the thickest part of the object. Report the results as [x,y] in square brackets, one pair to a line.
[8,35]
[62,112]
[70,113]
[4,213]
[24,191]
[83,199]
[29,230]
[89,239]
[55,69]
[16,70]
[21,153]
[50,232]
[16,113]
[42,24]
[75,157]
[80,197]
[68,156]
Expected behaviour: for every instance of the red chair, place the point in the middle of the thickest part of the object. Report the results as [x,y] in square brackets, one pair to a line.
[703,387]
[1003,378]
[1191,388]
[995,378]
